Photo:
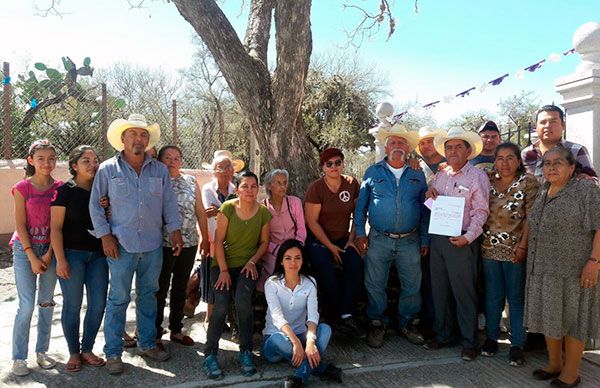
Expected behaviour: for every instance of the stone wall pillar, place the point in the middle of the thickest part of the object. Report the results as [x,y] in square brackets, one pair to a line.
[581,92]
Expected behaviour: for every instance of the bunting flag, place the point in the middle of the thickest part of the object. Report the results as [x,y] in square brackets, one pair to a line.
[519,74]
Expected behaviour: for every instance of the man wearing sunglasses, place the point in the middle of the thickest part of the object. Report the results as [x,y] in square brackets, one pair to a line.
[392,196]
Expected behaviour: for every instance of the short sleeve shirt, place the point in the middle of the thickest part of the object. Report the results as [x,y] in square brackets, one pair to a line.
[77,220]
[243,236]
[336,208]
[37,209]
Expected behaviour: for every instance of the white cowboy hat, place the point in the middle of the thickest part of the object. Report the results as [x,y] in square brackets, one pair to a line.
[426,132]
[457,133]
[219,156]
[118,126]
[412,137]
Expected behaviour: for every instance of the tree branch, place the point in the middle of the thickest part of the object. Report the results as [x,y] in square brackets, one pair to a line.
[259,28]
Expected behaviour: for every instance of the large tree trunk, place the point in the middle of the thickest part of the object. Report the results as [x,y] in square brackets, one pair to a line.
[271,103]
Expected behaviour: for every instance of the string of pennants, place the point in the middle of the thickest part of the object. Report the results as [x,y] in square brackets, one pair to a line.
[520,74]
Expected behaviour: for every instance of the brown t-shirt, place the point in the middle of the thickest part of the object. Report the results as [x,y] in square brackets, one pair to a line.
[336,208]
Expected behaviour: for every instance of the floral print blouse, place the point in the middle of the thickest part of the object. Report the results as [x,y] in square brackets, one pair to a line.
[508,212]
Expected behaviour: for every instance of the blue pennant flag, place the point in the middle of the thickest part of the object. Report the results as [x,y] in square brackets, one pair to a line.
[535,66]
[498,81]
[465,93]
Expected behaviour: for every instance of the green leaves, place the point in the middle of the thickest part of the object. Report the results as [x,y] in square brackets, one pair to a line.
[54,74]
[40,66]
[119,103]
[87,61]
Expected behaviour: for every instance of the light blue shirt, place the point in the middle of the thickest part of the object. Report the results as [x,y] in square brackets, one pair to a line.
[138,204]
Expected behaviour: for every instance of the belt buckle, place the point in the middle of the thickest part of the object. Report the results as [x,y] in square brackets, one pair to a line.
[394,235]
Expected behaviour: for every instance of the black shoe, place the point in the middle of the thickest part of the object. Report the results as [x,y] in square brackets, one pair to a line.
[559,383]
[332,373]
[540,374]
[489,348]
[351,328]
[293,382]
[412,334]
[516,357]
[376,334]
[469,354]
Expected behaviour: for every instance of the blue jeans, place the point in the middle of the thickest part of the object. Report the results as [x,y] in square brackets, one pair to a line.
[26,282]
[340,293]
[406,254]
[504,279]
[89,269]
[277,347]
[146,266]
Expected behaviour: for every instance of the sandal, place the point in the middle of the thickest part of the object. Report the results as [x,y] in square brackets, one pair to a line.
[73,365]
[92,360]
[184,340]
[129,342]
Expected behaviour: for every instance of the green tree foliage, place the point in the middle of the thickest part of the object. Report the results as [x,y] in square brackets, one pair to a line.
[517,113]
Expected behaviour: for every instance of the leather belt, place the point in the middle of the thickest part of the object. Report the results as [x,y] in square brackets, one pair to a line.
[399,235]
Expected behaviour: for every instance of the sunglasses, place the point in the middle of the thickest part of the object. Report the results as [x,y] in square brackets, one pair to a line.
[330,164]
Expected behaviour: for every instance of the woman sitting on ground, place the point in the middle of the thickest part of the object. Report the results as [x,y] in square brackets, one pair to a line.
[292,330]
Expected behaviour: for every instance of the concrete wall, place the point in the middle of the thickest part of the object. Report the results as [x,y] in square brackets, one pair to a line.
[12,171]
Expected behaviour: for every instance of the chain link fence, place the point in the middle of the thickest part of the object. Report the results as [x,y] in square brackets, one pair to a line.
[70,113]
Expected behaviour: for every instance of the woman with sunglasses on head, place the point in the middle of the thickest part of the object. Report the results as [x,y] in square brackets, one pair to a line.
[336,263]
[292,331]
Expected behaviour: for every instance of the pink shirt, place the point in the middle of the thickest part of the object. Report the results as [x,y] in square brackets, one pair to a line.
[37,210]
[473,184]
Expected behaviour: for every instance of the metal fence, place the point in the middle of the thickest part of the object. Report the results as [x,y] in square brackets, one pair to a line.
[72,114]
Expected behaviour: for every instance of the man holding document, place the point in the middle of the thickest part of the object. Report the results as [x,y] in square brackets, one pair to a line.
[392,195]
[460,208]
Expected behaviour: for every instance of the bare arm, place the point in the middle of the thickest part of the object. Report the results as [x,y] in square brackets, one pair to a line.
[224,280]
[57,219]
[202,223]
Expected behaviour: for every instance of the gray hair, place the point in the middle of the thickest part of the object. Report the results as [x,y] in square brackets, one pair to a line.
[268,178]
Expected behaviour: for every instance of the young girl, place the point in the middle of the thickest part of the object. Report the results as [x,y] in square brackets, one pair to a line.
[79,259]
[32,255]
[292,331]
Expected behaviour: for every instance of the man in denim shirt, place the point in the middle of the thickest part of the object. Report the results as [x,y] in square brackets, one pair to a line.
[141,198]
[392,196]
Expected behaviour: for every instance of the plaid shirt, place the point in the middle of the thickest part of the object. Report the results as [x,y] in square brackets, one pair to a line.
[532,158]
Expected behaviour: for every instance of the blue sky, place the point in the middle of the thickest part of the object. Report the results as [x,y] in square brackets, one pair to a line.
[449,46]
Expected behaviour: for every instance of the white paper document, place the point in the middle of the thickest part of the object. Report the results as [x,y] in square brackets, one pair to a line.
[447,216]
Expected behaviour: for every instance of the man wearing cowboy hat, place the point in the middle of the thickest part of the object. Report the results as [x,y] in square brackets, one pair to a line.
[391,196]
[430,158]
[141,198]
[454,259]
[490,137]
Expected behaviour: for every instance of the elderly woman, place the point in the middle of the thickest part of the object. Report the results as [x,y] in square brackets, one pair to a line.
[176,269]
[241,239]
[504,248]
[562,298]
[329,206]
[292,330]
[287,222]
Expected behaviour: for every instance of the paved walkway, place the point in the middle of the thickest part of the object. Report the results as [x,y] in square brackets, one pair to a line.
[397,364]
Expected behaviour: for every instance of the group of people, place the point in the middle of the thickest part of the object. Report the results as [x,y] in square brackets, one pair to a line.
[529,236]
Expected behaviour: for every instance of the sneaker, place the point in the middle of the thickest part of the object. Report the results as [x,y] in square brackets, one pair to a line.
[45,361]
[246,363]
[489,348]
[211,368]
[332,373]
[114,365]
[516,357]
[155,354]
[412,334]
[481,321]
[350,328]
[19,368]
[376,334]
[469,354]
[293,382]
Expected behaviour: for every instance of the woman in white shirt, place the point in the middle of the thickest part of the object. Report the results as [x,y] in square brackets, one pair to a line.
[292,331]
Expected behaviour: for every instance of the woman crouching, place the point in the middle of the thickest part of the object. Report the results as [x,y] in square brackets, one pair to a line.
[292,331]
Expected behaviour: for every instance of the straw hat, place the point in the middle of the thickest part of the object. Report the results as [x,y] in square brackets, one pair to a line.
[118,126]
[219,156]
[457,133]
[426,132]
[412,137]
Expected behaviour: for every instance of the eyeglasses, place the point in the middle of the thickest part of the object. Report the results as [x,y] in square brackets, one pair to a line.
[330,164]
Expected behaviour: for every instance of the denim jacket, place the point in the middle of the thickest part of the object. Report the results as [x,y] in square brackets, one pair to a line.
[138,204]
[391,207]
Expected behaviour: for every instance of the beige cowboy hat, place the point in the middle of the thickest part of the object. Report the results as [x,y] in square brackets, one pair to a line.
[412,137]
[219,156]
[426,132]
[118,126]
[457,133]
